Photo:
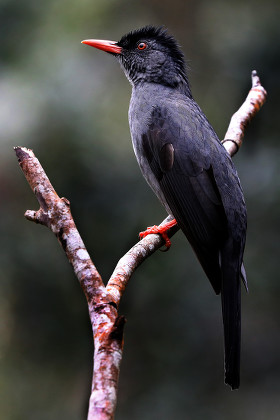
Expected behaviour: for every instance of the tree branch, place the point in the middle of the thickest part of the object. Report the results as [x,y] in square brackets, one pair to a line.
[107,325]
[239,121]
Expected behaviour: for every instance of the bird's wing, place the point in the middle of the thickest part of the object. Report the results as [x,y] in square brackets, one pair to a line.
[179,154]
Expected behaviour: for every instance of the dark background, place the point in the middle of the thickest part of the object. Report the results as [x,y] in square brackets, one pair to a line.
[69,103]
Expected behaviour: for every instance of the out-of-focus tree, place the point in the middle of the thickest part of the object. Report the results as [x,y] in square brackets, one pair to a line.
[53,93]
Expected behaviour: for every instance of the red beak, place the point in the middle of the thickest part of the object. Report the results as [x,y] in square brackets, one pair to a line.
[108,46]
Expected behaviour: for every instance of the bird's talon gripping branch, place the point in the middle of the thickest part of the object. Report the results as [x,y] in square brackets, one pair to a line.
[161,230]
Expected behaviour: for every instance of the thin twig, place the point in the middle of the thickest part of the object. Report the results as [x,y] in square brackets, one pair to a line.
[239,121]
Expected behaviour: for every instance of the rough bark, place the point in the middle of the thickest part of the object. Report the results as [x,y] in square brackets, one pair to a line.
[103,302]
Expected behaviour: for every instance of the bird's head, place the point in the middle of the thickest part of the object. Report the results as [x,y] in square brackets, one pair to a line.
[148,54]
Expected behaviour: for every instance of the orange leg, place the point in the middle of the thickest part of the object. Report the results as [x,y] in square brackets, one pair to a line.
[162,230]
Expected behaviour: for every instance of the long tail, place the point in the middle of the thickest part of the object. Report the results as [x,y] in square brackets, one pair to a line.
[231,307]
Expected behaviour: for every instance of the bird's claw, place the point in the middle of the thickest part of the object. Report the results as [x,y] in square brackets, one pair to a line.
[161,230]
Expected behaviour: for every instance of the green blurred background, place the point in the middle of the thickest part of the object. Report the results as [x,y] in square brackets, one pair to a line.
[69,103]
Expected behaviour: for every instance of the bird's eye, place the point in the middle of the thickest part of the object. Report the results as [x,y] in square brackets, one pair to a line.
[142,46]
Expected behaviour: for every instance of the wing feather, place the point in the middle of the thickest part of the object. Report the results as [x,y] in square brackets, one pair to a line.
[188,185]
[195,179]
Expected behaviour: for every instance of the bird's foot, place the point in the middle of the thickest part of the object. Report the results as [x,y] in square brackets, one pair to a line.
[162,230]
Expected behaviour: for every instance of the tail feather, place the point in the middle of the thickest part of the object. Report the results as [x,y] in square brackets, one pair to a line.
[231,308]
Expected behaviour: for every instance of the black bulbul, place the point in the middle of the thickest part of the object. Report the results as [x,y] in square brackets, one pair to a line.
[187,167]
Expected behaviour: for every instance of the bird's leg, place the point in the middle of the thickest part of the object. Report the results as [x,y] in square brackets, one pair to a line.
[162,230]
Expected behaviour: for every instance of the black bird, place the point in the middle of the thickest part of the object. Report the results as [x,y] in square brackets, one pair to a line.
[187,167]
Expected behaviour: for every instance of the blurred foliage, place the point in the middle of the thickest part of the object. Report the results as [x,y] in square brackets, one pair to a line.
[69,103]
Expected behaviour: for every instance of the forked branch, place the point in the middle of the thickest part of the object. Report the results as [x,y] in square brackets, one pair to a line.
[103,302]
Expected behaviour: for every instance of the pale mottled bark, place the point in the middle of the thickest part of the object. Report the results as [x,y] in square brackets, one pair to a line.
[241,118]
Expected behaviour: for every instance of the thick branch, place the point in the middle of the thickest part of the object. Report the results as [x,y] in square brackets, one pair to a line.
[107,326]
[55,213]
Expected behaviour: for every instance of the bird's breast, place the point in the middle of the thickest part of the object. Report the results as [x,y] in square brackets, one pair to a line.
[139,119]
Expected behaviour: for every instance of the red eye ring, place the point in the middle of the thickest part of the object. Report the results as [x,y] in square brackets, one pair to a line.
[142,46]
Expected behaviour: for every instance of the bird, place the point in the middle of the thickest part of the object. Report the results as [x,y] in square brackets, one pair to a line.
[187,167]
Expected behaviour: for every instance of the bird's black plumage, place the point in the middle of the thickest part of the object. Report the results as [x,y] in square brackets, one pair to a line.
[189,170]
